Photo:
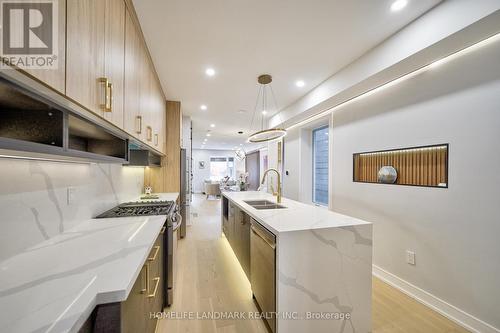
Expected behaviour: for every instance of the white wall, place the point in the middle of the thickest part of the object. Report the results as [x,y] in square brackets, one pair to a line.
[453,231]
[440,22]
[33,198]
[199,175]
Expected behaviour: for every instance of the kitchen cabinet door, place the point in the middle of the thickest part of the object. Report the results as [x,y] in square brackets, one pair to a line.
[230,224]
[153,299]
[56,78]
[163,124]
[146,96]
[114,60]
[133,120]
[159,117]
[85,53]
[134,308]
[244,243]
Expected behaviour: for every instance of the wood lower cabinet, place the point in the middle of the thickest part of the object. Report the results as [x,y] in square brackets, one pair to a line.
[230,225]
[237,231]
[242,236]
[136,313]
[134,308]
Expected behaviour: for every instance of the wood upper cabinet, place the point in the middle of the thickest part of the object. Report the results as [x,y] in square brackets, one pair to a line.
[159,115]
[55,78]
[109,70]
[114,59]
[95,56]
[85,53]
[133,119]
[146,96]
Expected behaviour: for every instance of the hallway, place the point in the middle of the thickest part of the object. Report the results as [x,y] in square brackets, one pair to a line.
[210,281]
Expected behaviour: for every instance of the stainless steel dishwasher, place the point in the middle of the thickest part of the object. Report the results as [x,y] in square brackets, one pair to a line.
[263,271]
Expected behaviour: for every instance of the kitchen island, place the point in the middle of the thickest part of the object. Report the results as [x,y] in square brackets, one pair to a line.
[323,262]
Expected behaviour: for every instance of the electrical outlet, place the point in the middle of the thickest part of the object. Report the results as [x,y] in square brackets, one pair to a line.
[410,257]
[71,194]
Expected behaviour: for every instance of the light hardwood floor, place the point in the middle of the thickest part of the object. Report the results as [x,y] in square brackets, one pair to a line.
[210,279]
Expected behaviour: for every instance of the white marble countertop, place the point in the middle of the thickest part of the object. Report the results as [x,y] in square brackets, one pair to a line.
[55,285]
[167,196]
[296,216]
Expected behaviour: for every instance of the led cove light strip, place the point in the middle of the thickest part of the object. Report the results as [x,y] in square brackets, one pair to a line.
[400,79]
[387,152]
[43,159]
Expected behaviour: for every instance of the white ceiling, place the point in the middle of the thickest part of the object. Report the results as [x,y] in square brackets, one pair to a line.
[289,39]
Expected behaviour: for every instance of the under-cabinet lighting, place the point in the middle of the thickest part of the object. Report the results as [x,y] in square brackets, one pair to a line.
[43,159]
[400,79]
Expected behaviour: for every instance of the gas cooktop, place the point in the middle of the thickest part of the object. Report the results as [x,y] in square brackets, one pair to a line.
[139,208]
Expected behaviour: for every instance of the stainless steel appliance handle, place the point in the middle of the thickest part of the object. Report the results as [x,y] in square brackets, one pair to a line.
[258,234]
[179,221]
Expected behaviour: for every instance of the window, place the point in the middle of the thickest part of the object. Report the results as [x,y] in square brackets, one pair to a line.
[320,165]
[221,167]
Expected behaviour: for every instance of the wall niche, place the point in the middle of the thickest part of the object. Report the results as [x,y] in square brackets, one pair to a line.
[415,166]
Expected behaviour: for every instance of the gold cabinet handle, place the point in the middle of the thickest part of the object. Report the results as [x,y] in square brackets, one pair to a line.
[110,87]
[157,249]
[163,230]
[149,133]
[157,280]
[106,83]
[156,140]
[143,290]
[138,124]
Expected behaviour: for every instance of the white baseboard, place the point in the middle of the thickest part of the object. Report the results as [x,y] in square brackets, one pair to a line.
[451,312]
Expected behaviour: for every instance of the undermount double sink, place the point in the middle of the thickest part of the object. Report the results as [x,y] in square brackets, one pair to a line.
[263,204]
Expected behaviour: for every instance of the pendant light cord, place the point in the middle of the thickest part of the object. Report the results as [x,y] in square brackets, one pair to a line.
[255,108]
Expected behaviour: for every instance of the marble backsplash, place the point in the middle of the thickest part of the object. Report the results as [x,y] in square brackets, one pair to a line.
[34,197]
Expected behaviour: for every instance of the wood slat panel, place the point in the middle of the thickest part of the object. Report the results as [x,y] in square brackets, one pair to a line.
[423,166]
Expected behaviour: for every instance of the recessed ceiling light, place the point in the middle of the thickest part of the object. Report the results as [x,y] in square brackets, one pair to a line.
[241,144]
[208,134]
[398,5]
[300,83]
[212,125]
[264,112]
[203,107]
[210,71]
